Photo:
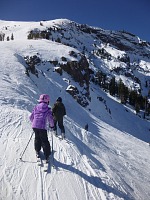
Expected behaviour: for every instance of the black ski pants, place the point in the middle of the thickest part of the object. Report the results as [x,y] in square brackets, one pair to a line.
[60,124]
[41,140]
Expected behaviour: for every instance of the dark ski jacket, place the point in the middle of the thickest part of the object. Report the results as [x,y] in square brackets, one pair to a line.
[58,110]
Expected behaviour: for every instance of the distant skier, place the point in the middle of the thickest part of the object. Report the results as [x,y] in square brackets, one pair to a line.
[86,127]
[58,112]
[40,117]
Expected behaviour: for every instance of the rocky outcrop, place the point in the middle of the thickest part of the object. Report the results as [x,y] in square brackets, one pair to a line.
[79,71]
[31,63]
[74,92]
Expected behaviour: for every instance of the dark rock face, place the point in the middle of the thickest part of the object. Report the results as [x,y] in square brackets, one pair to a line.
[31,63]
[74,92]
[79,71]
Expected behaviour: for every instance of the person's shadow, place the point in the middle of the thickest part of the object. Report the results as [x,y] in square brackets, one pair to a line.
[93,180]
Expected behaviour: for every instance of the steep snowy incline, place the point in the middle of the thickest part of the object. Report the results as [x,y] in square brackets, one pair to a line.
[105,165]
[73,177]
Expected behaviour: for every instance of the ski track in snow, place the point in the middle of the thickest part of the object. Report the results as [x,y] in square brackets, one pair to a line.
[70,166]
[83,160]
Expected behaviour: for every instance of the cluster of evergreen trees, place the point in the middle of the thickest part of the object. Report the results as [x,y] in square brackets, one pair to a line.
[11,38]
[2,37]
[43,35]
[120,90]
[38,34]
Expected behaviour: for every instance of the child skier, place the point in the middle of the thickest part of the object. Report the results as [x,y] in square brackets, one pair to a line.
[40,116]
[58,112]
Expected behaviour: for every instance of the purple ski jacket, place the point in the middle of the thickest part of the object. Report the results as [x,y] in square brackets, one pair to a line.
[40,116]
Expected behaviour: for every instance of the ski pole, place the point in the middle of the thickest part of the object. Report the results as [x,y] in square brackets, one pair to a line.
[52,148]
[26,146]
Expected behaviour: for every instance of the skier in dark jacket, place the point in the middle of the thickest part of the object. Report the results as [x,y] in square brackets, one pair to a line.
[40,117]
[58,112]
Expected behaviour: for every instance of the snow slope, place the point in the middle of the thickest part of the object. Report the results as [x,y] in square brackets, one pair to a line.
[109,161]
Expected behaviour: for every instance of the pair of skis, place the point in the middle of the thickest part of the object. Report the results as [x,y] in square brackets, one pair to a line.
[46,165]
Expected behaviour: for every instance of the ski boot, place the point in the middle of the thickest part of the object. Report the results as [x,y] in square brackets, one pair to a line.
[63,135]
[37,154]
[47,159]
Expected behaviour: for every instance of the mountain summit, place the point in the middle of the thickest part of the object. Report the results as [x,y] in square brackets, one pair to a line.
[103,78]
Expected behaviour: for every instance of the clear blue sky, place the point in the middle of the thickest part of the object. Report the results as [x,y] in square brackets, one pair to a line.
[130,15]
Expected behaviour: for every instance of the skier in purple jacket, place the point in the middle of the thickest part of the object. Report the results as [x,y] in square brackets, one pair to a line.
[41,117]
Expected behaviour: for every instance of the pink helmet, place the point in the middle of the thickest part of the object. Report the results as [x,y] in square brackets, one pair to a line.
[44,98]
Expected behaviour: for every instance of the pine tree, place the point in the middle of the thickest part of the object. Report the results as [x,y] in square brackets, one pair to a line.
[12,37]
[112,86]
[137,108]
[122,92]
[132,97]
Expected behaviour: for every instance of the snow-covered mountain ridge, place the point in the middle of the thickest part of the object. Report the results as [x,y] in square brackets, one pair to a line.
[111,159]
[96,54]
